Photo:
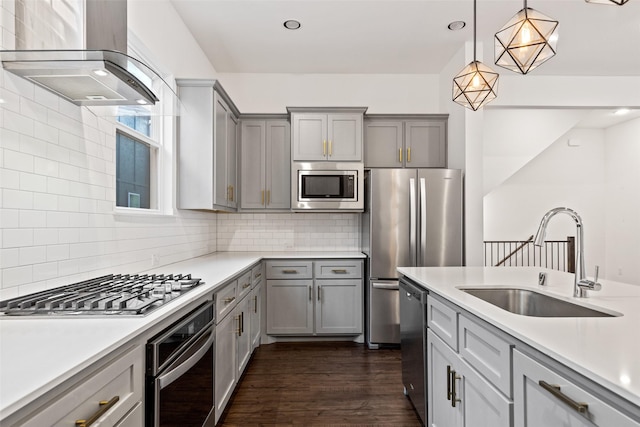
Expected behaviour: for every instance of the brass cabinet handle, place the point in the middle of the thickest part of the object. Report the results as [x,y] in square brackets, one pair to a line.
[310,294]
[262,198]
[319,292]
[241,323]
[409,155]
[339,270]
[105,405]
[255,304]
[454,396]
[238,328]
[229,300]
[257,275]
[330,148]
[400,155]
[230,193]
[268,197]
[554,389]
[289,271]
[246,285]
[324,147]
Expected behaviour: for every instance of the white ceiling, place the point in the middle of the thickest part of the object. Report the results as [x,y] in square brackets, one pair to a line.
[401,36]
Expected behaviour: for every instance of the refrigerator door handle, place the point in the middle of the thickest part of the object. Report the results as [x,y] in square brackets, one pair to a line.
[412,221]
[423,224]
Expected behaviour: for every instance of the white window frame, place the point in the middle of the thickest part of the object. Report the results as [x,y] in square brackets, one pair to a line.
[161,142]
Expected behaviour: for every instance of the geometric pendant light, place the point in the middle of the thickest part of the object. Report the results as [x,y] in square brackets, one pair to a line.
[618,2]
[476,84]
[526,41]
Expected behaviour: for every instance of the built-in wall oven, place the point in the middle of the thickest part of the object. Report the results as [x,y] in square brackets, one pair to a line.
[327,186]
[180,372]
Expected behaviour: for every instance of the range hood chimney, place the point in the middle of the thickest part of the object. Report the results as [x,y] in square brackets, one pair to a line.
[102,74]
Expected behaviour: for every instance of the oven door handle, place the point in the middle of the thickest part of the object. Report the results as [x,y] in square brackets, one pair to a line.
[193,355]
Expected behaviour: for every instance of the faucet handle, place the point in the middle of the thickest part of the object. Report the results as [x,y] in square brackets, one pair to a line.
[591,285]
[595,279]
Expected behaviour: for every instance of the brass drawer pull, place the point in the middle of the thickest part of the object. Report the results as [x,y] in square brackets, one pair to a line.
[400,155]
[339,271]
[229,300]
[289,271]
[257,275]
[246,285]
[105,405]
[409,155]
[554,389]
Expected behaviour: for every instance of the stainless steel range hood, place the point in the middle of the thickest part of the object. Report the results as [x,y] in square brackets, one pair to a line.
[101,75]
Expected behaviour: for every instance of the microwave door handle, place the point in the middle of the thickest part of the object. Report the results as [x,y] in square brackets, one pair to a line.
[412,220]
[198,353]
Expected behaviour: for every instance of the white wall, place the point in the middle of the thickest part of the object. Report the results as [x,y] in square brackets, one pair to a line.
[621,202]
[272,93]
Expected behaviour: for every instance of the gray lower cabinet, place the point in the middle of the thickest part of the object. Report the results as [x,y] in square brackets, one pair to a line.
[322,297]
[396,142]
[544,397]
[265,164]
[326,134]
[207,147]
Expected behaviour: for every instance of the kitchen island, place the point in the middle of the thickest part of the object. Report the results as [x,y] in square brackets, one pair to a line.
[602,352]
[40,355]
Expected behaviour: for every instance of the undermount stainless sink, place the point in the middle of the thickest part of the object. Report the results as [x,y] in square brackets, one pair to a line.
[530,303]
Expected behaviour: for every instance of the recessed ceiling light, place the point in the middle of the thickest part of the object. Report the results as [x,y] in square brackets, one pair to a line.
[292,24]
[141,101]
[100,72]
[622,111]
[456,25]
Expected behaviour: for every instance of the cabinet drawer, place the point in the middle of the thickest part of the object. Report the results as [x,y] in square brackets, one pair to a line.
[244,285]
[338,269]
[256,275]
[226,299]
[121,378]
[535,405]
[288,269]
[443,321]
[485,351]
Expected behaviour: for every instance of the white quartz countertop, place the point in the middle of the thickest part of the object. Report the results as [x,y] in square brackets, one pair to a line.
[604,349]
[39,353]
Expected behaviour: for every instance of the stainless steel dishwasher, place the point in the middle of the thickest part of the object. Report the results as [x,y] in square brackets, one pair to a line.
[413,324]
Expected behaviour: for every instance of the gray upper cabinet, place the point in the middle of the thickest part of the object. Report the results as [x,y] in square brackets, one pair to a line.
[405,141]
[265,164]
[327,134]
[207,147]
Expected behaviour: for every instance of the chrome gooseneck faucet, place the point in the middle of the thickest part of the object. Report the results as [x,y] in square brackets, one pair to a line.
[581,284]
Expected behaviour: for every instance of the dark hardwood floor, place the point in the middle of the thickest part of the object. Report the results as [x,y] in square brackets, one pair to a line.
[313,384]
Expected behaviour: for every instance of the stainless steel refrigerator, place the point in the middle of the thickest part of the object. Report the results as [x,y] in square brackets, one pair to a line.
[413,217]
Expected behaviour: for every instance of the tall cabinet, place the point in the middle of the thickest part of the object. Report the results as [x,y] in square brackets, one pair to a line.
[265,162]
[207,147]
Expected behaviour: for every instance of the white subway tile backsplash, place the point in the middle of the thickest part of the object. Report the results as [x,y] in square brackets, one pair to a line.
[9,139]
[9,257]
[45,201]
[17,237]
[57,219]
[33,182]
[46,98]
[33,219]
[33,255]
[17,199]
[45,236]
[32,109]
[9,179]
[18,161]
[33,146]
[18,123]
[45,271]
[57,252]
[15,276]
[46,132]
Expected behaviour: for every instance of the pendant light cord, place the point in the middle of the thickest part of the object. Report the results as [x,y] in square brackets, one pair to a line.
[474,30]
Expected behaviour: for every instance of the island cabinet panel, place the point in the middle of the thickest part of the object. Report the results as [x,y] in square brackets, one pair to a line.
[118,383]
[458,395]
[544,397]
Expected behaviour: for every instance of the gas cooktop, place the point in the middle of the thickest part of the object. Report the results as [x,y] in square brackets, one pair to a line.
[113,294]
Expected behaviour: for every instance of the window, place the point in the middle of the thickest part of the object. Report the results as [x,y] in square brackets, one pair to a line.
[143,159]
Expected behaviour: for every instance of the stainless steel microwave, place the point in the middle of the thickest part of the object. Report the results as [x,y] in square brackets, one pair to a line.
[327,186]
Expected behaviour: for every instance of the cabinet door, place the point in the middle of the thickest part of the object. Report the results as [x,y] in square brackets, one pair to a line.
[440,361]
[289,307]
[383,144]
[243,339]
[309,137]
[220,112]
[226,331]
[232,160]
[252,165]
[344,135]
[255,314]
[278,165]
[339,306]
[426,144]
[536,405]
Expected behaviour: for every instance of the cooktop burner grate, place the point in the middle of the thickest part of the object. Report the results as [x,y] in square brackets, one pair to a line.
[113,294]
